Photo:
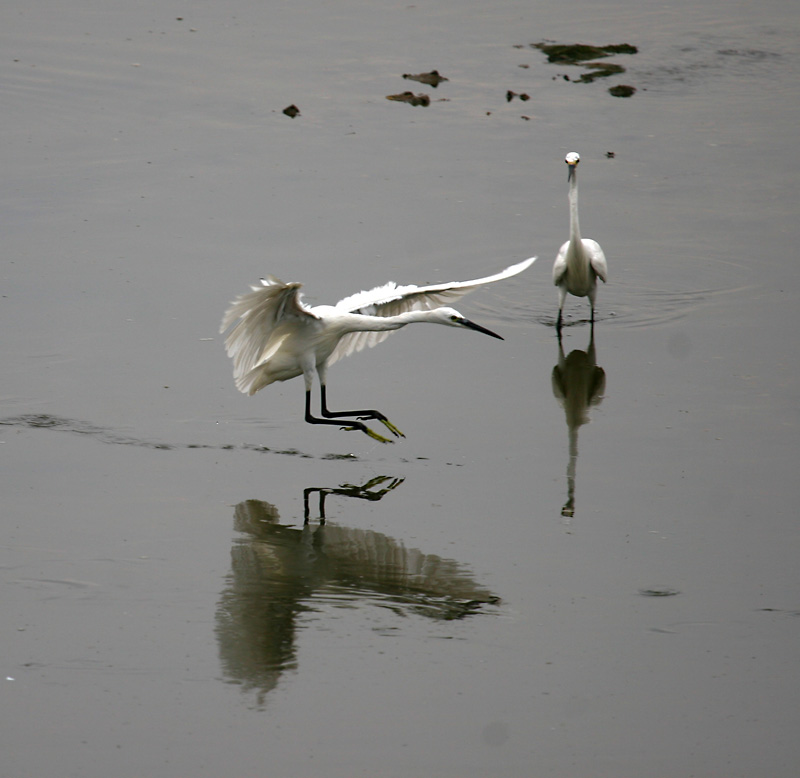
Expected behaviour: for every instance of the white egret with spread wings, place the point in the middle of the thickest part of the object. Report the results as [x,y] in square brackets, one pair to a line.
[275,336]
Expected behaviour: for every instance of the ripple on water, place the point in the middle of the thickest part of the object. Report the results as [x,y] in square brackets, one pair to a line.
[114,437]
[643,297]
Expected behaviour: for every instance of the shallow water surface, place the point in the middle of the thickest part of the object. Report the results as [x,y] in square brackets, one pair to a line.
[581,559]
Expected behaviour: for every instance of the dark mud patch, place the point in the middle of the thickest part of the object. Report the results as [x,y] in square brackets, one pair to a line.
[659,591]
[430,79]
[582,54]
[521,95]
[575,53]
[410,98]
[600,70]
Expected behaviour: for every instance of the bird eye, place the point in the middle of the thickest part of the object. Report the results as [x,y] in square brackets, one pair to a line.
[455,318]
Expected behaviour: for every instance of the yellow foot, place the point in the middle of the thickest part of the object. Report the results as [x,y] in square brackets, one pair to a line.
[374,435]
[392,428]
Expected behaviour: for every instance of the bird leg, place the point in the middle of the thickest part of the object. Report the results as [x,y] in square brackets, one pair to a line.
[365,414]
[357,425]
[353,425]
[306,511]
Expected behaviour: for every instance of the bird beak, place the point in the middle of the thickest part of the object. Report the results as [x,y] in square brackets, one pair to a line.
[570,173]
[478,328]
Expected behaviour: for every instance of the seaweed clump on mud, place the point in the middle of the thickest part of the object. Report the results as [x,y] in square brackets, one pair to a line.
[431,79]
[410,98]
[622,90]
[582,54]
[574,53]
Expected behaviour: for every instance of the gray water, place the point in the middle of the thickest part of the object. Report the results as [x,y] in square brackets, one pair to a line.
[539,579]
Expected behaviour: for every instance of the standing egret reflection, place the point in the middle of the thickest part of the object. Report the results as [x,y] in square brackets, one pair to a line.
[580,261]
[277,336]
[579,383]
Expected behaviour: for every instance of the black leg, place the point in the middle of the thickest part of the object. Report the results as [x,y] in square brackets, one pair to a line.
[365,414]
[311,419]
[351,425]
[306,511]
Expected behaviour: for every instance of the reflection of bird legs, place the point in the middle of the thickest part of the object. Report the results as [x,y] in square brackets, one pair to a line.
[578,384]
[568,509]
[364,492]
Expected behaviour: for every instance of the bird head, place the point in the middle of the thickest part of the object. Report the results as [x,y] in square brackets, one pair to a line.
[572,159]
[452,318]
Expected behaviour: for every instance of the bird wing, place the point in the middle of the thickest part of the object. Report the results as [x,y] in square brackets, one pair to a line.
[392,300]
[597,259]
[560,265]
[253,340]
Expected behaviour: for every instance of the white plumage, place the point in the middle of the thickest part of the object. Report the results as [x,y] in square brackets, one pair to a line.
[580,261]
[275,336]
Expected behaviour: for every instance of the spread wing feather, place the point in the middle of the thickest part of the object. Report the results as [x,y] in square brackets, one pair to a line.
[257,315]
[392,300]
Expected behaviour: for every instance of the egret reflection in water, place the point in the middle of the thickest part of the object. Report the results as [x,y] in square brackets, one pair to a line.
[280,571]
[578,384]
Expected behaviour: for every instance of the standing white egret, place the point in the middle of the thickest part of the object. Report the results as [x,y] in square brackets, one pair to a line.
[277,336]
[580,261]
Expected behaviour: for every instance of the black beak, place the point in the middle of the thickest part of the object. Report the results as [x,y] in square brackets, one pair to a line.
[570,173]
[478,328]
